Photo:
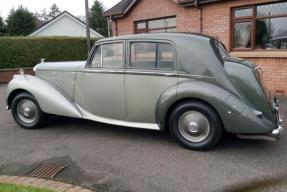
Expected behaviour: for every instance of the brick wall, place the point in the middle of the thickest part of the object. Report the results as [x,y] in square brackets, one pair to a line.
[216,19]
[274,73]
[7,74]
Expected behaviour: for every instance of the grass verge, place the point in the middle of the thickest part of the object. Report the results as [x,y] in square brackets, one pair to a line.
[20,188]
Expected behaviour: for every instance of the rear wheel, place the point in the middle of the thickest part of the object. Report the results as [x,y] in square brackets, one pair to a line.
[27,112]
[195,125]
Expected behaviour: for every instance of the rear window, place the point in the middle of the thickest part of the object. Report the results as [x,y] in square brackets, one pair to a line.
[222,50]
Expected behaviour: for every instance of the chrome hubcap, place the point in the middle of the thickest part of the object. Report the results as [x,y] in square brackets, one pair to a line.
[27,111]
[194,126]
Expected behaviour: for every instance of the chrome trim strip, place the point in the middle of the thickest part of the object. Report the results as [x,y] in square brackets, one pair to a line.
[153,73]
[187,75]
[89,116]
[100,70]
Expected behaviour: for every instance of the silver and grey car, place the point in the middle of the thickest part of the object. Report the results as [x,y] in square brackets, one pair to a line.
[186,83]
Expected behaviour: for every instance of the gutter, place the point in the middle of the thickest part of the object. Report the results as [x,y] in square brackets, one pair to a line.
[188,3]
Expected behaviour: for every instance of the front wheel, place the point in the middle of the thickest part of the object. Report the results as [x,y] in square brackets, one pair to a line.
[195,125]
[27,112]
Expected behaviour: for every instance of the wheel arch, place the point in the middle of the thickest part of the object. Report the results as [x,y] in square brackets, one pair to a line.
[214,96]
[13,94]
[189,99]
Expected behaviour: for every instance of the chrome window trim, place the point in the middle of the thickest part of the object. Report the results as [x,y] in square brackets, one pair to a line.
[92,53]
[128,53]
[101,55]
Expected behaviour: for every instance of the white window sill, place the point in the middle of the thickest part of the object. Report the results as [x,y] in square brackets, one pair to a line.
[260,54]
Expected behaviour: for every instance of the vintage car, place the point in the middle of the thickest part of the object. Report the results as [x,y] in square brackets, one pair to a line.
[186,83]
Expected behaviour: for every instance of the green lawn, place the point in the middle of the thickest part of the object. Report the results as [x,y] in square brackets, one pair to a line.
[19,188]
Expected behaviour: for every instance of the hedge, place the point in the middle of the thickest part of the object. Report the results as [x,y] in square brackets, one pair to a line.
[16,52]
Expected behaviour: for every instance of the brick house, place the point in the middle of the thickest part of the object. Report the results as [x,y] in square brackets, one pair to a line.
[251,29]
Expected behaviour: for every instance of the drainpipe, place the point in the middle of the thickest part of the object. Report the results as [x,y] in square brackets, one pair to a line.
[116,27]
[200,20]
[109,26]
[200,15]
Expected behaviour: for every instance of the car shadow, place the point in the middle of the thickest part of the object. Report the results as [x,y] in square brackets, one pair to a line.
[227,143]
[107,130]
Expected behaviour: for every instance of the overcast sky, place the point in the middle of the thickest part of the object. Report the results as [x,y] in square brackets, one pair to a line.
[76,7]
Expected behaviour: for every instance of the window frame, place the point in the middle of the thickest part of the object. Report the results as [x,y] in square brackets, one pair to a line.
[129,63]
[147,29]
[93,52]
[251,19]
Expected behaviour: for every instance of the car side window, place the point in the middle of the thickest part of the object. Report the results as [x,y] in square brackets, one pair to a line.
[165,56]
[97,59]
[113,55]
[143,55]
[148,55]
[108,55]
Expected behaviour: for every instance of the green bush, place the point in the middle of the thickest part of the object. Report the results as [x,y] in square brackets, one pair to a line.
[16,52]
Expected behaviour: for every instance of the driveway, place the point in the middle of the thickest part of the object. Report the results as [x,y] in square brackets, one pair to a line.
[113,158]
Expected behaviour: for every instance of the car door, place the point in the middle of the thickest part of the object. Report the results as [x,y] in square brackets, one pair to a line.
[99,88]
[151,70]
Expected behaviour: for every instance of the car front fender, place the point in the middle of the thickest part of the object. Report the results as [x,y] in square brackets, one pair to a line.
[50,98]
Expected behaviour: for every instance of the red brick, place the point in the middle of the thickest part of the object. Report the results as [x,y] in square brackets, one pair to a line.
[216,22]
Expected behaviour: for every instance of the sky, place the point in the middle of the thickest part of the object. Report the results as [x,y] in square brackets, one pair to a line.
[76,7]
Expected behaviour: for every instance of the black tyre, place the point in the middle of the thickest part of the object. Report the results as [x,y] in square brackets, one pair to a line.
[27,112]
[195,125]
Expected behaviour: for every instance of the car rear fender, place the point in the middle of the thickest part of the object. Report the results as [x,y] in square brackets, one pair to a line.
[50,98]
[192,90]
[236,116]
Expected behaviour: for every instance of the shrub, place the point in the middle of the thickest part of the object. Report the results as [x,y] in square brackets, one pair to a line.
[22,52]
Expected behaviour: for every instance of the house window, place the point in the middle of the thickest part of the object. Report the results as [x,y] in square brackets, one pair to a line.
[260,27]
[156,25]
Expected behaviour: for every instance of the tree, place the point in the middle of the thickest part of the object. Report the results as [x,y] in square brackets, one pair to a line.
[20,22]
[54,11]
[43,15]
[2,27]
[97,21]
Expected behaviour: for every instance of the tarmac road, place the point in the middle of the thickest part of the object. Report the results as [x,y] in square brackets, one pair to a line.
[113,158]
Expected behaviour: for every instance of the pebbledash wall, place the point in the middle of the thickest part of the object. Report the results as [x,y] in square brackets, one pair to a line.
[213,19]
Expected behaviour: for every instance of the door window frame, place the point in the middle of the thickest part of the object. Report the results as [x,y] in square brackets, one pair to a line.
[93,52]
[128,63]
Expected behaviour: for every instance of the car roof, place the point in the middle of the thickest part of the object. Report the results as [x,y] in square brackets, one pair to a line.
[163,36]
